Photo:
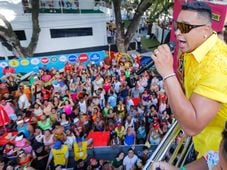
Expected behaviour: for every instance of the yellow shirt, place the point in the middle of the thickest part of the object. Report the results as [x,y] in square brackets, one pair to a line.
[80,152]
[59,155]
[205,71]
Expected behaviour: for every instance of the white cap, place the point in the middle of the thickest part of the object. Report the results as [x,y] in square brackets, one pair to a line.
[19,138]
[76,120]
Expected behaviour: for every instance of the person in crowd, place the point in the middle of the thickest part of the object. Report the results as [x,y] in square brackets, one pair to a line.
[59,153]
[145,98]
[10,109]
[130,137]
[58,132]
[38,134]
[47,106]
[56,100]
[36,89]
[112,99]
[130,160]
[145,155]
[141,133]
[202,56]
[67,106]
[154,134]
[117,163]
[24,89]
[80,149]
[39,155]
[44,123]
[120,131]
[25,128]
[111,114]
[23,101]
[95,164]
[64,120]
[80,165]
[24,159]
[9,151]
[70,138]
[114,139]
[22,143]
[38,111]
[130,122]
[48,139]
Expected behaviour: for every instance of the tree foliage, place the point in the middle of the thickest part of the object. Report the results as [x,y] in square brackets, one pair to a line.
[10,40]
[158,8]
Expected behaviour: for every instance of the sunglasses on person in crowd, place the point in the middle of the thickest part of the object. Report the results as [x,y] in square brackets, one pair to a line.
[184,27]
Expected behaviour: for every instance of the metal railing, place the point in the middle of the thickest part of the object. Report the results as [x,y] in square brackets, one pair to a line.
[171,149]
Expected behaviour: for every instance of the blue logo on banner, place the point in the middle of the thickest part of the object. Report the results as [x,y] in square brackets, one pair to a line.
[54,59]
[95,57]
[72,58]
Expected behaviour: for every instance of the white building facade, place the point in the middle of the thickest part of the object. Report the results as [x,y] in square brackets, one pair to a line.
[63,26]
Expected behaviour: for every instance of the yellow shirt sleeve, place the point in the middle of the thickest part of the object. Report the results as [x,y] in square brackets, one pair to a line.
[212,86]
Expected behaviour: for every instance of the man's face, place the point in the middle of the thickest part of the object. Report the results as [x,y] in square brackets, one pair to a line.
[192,39]
[130,154]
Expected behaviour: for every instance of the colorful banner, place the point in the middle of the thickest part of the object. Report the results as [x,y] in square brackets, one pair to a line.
[54,61]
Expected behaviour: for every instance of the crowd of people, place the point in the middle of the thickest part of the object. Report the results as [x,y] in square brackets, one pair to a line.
[52,114]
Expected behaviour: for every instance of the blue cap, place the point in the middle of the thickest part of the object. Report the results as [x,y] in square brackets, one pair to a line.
[57,144]
[61,83]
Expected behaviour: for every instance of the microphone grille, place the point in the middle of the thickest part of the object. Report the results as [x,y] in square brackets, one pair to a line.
[172,45]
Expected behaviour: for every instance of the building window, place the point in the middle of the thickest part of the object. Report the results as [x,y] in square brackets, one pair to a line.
[20,34]
[70,32]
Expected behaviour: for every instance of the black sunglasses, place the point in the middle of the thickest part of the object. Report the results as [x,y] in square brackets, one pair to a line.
[185,28]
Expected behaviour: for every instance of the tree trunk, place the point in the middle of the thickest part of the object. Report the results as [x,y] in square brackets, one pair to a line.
[119,26]
[28,51]
[9,38]
[143,6]
[123,39]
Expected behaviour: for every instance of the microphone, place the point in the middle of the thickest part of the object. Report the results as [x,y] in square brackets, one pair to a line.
[171,45]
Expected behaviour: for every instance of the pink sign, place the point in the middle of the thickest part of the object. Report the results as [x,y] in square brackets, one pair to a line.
[219,12]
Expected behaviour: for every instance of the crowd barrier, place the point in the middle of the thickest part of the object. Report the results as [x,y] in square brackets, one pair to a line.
[109,152]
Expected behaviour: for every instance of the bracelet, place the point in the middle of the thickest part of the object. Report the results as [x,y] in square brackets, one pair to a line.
[168,76]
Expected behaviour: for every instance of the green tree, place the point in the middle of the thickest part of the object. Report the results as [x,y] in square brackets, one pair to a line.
[159,8]
[9,39]
[156,7]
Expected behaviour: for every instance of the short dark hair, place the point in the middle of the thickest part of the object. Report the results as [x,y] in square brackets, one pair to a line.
[130,149]
[202,8]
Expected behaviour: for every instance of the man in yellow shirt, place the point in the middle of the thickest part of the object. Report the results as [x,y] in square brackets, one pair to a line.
[202,109]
